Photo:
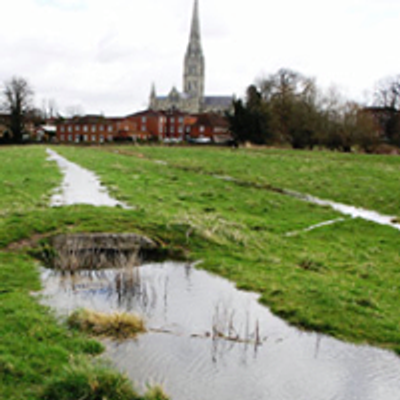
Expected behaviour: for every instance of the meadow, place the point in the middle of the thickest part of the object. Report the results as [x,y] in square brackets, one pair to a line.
[341,279]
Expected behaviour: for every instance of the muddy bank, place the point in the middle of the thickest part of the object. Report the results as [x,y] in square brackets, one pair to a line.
[96,251]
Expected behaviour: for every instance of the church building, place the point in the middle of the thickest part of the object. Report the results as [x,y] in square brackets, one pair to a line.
[192,100]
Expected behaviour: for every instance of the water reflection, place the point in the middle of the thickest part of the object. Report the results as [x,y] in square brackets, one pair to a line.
[209,340]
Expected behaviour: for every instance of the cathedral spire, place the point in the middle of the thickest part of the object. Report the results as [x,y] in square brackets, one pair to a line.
[193,76]
[195,29]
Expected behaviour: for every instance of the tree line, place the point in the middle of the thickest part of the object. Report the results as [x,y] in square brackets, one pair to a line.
[287,108]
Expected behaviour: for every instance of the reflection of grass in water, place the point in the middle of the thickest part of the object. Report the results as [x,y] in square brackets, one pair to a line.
[224,327]
[83,379]
[117,325]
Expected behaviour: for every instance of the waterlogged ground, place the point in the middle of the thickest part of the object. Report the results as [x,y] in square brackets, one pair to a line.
[209,340]
[312,265]
[79,186]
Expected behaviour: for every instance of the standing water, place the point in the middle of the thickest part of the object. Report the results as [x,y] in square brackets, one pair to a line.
[208,340]
[79,186]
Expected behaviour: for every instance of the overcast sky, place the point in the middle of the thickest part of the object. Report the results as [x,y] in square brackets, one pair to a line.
[103,55]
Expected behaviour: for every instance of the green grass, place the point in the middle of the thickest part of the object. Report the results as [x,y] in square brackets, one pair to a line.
[369,181]
[94,381]
[33,345]
[341,279]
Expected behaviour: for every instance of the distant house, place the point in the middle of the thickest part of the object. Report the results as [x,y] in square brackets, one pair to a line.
[149,124]
[212,126]
[87,129]
[169,125]
[45,133]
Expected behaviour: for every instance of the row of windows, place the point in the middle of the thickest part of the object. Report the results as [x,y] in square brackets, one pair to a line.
[180,120]
[85,138]
[172,129]
[86,128]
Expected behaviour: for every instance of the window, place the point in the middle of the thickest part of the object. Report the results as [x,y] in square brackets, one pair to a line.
[62,138]
[62,129]
[77,128]
[172,120]
[69,138]
[94,128]
[181,120]
[70,129]
[144,120]
[101,128]
[101,139]
[93,138]
[143,128]
[110,138]
[85,138]
[202,129]
[110,128]
[172,129]
[180,129]
[77,139]
[85,128]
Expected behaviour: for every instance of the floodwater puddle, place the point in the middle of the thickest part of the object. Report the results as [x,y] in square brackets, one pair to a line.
[79,186]
[352,211]
[208,340]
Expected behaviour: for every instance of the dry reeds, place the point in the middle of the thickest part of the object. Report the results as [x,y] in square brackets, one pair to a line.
[213,227]
[116,325]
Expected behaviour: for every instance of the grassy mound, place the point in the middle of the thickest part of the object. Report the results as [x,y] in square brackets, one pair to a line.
[86,380]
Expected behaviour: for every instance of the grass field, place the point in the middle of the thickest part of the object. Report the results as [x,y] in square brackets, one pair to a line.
[342,279]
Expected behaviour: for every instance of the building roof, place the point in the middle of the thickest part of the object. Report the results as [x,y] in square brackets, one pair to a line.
[86,119]
[212,119]
[145,113]
[221,101]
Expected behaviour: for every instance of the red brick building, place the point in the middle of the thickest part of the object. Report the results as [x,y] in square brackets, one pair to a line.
[211,126]
[87,129]
[164,126]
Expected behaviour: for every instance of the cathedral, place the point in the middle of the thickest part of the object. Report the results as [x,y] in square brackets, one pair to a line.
[192,99]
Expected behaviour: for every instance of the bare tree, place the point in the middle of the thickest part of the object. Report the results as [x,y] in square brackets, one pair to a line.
[387,93]
[17,102]
[387,97]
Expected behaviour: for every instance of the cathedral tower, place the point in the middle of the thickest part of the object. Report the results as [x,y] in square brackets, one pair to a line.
[193,75]
[191,99]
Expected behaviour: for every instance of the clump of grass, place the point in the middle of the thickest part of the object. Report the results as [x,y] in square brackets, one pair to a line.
[155,393]
[83,379]
[214,227]
[118,325]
